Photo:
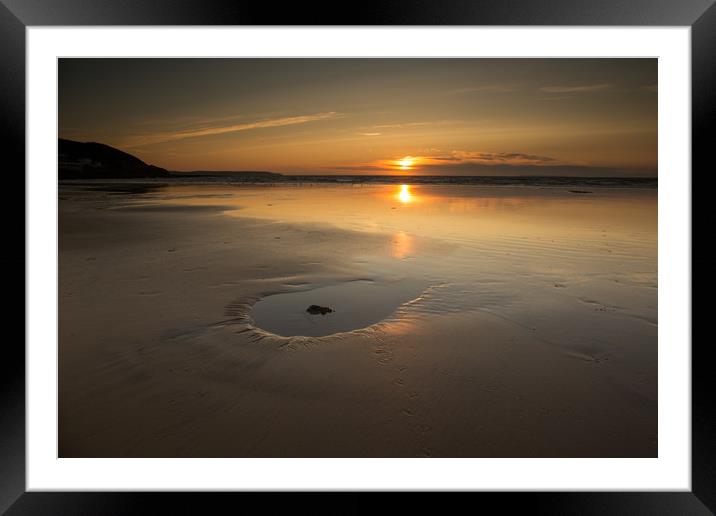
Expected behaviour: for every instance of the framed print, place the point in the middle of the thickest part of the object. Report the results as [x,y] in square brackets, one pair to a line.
[426,248]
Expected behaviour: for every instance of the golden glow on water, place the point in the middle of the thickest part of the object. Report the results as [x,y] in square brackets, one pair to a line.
[533,223]
[404,195]
[556,259]
[402,245]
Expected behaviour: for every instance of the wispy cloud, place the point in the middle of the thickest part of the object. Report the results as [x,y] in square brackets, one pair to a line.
[584,88]
[506,158]
[186,121]
[370,134]
[435,161]
[161,137]
[503,169]
[444,161]
[402,125]
[490,164]
[411,125]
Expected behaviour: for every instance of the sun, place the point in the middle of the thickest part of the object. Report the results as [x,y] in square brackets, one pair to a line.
[406,163]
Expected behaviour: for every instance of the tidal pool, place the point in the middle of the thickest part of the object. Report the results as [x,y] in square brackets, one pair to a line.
[355,304]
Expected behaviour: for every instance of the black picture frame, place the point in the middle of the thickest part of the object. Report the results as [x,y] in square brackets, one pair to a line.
[17,15]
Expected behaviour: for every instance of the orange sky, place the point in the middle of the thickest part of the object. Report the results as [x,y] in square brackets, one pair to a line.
[587,117]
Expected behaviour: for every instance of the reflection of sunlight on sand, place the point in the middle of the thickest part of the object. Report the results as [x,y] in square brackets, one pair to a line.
[469,206]
[401,246]
[534,224]
[404,195]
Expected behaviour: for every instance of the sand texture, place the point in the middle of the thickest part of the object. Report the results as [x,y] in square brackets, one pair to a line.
[497,322]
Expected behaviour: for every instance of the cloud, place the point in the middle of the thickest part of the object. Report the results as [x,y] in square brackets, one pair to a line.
[154,138]
[450,162]
[401,126]
[586,88]
[410,125]
[502,169]
[506,158]
[370,134]
[477,163]
[437,168]
[186,120]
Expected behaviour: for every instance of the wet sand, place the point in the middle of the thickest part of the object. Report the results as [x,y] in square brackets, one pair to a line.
[533,332]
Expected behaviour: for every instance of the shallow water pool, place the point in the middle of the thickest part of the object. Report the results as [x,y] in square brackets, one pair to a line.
[355,304]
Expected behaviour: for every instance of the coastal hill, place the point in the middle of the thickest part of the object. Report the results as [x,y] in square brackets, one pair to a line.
[80,160]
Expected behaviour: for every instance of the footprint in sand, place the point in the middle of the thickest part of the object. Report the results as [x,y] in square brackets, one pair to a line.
[384,357]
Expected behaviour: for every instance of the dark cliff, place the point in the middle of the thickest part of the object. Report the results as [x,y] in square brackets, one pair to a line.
[78,160]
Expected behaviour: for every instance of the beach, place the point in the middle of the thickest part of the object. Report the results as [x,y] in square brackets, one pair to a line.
[470,320]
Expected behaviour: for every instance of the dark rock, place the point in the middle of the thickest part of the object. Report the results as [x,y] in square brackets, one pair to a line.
[315,310]
[80,160]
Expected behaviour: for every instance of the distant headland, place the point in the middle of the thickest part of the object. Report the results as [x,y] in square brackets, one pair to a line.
[91,160]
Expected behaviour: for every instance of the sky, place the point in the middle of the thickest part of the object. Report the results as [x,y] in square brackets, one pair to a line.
[440,116]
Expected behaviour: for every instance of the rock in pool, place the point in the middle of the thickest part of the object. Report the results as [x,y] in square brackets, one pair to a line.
[315,310]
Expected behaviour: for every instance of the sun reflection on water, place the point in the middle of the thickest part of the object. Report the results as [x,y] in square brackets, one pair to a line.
[404,195]
[402,245]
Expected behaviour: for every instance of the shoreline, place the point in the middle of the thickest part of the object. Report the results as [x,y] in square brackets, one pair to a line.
[486,181]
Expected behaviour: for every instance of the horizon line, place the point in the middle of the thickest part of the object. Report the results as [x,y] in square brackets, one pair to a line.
[400,175]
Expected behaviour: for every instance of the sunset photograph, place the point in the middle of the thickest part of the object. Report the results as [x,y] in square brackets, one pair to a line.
[357,257]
